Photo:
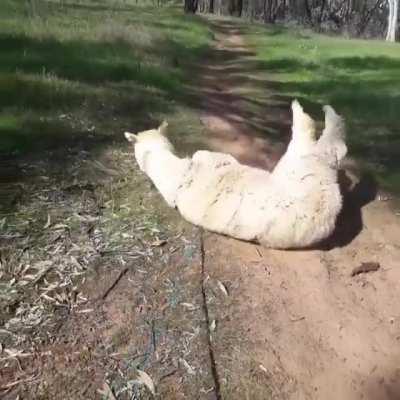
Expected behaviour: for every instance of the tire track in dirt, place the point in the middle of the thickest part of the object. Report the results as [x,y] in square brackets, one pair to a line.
[296,324]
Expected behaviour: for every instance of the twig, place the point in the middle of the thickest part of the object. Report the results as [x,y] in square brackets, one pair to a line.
[17,382]
[42,274]
[19,355]
[153,336]
[259,252]
[11,236]
[117,279]
[168,374]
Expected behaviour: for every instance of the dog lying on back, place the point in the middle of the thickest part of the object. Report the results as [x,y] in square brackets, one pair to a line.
[294,206]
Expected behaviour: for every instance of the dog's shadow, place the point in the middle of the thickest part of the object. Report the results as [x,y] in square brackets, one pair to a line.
[349,222]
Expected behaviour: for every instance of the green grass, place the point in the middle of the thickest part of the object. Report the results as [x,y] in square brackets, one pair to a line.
[359,78]
[84,68]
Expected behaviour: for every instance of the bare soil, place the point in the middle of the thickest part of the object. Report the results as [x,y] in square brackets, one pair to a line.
[297,324]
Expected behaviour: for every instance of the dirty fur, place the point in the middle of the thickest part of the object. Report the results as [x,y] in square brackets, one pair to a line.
[294,206]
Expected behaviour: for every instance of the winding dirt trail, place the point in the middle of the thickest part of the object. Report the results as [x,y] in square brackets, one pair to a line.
[296,324]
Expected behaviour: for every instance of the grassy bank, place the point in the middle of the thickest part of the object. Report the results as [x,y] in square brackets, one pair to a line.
[359,78]
[74,209]
[72,70]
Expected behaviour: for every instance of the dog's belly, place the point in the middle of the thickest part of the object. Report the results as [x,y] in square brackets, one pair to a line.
[229,199]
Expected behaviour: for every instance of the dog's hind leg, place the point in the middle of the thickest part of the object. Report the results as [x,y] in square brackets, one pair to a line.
[303,131]
[332,140]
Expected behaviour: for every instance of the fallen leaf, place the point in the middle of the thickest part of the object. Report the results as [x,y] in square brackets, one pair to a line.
[14,353]
[106,392]
[85,311]
[158,243]
[223,288]
[187,366]
[213,325]
[48,298]
[48,223]
[189,306]
[263,368]
[144,379]
[60,226]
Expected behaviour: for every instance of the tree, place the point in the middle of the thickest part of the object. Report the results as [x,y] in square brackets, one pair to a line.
[191,6]
[392,20]
[353,17]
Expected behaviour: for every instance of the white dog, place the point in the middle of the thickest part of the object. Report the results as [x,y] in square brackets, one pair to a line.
[294,206]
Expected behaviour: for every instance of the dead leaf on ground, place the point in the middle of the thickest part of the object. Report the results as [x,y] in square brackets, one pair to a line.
[48,222]
[189,306]
[223,288]
[144,379]
[213,325]
[158,243]
[106,392]
[190,370]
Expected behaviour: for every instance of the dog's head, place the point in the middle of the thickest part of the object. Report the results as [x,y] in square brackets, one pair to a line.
[149,141]
[151,135]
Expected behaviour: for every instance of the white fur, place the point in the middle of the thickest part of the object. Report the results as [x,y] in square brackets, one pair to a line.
[155,157]
[294,206]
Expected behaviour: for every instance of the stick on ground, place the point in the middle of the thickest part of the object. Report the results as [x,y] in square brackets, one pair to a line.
[117,279]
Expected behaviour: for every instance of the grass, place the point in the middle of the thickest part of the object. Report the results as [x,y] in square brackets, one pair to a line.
[73,77]
[359,78]
[74,70]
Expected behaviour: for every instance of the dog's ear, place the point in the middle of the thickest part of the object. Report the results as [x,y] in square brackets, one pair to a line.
[130,137]
[163,128]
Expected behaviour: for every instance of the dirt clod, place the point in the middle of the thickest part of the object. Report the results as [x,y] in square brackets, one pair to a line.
[365,267]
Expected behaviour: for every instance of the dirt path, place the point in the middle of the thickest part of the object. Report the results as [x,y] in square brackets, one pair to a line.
[240,125]
[296,324]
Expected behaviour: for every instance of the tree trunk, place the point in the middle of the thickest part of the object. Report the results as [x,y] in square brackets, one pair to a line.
[392,20]
[321,13]
[211,7]
[191,6]
[308,11]
[32,8]
[240,8]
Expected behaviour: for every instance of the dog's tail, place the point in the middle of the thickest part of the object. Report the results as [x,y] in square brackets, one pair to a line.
[332,141]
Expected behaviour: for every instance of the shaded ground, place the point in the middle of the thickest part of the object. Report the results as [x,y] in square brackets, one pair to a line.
[75,72]
[110,283]
[99,281]
[254,131]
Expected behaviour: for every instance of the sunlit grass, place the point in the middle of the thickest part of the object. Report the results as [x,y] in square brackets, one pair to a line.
[360,78]
[103,64]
